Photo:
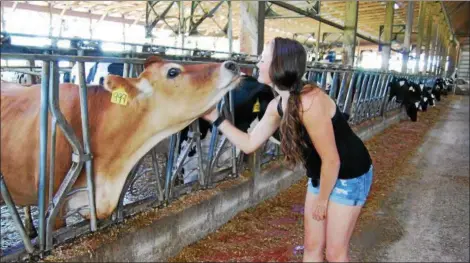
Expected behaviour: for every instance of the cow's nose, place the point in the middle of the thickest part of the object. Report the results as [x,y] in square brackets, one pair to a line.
[232,66]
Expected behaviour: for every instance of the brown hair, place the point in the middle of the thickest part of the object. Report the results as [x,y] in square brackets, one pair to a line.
[287,68]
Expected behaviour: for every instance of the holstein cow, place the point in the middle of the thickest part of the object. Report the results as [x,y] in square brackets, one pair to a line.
[425,98]
[250,98]
[406,95]
[164,99]
[439,88]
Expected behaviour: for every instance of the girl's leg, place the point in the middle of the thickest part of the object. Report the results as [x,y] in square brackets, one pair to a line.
[341,220]
[314,239]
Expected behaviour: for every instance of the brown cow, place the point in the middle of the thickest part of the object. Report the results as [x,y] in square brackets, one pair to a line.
[164,99]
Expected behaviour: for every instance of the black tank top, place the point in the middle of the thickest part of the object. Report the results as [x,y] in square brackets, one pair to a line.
[354,156]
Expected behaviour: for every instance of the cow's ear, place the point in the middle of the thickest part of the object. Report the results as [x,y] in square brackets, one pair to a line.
[121,86]
[152,59]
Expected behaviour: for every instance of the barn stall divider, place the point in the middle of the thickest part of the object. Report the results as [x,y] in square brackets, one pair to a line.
[361,94]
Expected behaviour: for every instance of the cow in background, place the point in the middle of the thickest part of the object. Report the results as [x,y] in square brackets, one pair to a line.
[250,98]
[439,89]
[407,95]
[127,118]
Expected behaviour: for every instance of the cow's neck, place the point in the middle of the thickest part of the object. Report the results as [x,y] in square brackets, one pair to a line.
[117,146]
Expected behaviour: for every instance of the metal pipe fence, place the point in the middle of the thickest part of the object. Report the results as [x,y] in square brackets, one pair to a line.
[361,94]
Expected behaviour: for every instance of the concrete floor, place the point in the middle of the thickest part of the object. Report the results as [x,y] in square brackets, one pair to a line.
[427,216]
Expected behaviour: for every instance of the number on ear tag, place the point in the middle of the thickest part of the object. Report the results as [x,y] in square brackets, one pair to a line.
[256,107]
[119,96]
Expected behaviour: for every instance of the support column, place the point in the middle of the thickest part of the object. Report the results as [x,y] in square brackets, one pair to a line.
[457,56]
[439,58]
[182,25]
[230,28]
[318,41]
[427,46]
[387,35]
[435,56]
[3,27]
[29,78]
[350,29]
[408,30]
[445,53]
[419,44]
[432,52]
[252,27]
[452,58]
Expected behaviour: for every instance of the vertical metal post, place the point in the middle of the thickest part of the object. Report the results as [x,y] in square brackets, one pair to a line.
[125,72]
[157,174]
[43,153]
[4,25]
[318,40]
[77,155]
[334,86]
[350,28]
[52,161]
[230,29]
[387,35]
[202,171]
[87,145]
[14,214]
[339,100]
[234,148]
[427,47]
[355,80]
[435,49]
[169,167]
[50,19]
[409,27]
[251,39]
[358,98]
[422,16]
[323,80]
[182,24]
[384,95]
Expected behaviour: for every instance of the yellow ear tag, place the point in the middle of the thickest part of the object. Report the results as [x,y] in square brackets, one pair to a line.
[119,96]
[256,107]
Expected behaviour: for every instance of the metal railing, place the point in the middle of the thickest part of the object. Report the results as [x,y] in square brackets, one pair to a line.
[361,94]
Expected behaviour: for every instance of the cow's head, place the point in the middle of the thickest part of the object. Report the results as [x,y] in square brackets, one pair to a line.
[175,91]
[414,92]
[398,89]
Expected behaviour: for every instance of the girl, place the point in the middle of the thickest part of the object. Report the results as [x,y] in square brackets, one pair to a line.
[315,134]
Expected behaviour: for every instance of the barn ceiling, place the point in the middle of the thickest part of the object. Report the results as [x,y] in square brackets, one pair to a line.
[212,16]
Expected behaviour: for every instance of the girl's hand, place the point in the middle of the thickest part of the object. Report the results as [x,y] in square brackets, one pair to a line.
[211,115]
[319,209]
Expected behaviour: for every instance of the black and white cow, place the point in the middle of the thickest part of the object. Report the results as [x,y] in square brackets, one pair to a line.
[251,99]
[449,83]
[407,95]
[439,89]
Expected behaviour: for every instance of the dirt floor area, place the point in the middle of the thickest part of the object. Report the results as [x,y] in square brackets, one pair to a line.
[273,230]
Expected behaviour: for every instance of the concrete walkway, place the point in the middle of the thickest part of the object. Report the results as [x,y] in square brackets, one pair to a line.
[428,213]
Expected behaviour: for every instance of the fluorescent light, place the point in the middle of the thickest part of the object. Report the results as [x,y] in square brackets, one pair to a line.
[396,6]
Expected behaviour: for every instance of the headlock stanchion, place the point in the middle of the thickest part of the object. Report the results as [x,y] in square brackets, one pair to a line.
[363,94]
[16,217]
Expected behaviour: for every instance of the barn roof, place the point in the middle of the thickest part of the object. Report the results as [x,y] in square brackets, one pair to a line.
[279,20]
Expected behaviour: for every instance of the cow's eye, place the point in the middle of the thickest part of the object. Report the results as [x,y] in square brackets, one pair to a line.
[173,73]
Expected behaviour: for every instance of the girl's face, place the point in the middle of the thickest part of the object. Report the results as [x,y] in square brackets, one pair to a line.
[264,64]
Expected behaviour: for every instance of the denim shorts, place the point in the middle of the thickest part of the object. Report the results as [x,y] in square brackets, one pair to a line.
[352,192]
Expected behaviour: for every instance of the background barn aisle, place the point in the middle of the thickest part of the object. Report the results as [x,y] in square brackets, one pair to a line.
[427,212]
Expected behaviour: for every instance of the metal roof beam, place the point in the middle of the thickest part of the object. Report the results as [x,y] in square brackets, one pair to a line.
[322,20]
[449,24]
[58,11]
[193,26]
